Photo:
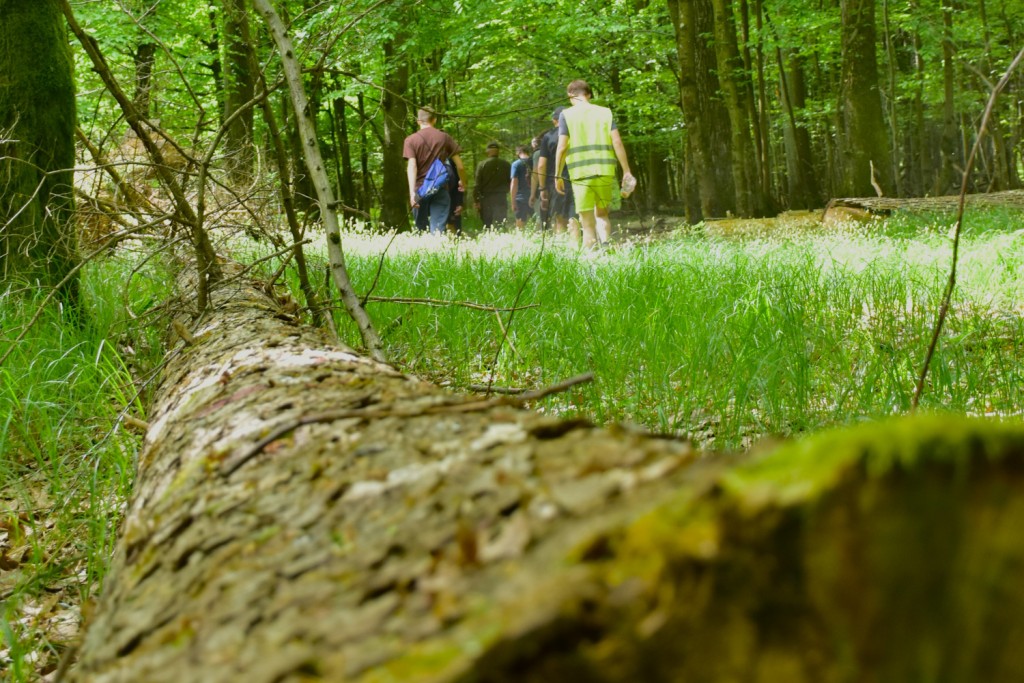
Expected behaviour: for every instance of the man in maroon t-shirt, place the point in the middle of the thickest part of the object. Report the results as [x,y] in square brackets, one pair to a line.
[421,148]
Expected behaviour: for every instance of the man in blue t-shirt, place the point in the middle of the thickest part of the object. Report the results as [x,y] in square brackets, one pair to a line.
[520,187]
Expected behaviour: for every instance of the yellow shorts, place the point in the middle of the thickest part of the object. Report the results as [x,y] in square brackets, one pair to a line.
[593,192]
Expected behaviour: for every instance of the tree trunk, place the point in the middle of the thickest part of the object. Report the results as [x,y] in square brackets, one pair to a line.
[952,159]
[753,64]
[713,111]
[864,141]
[346,184]
[365,179]
[919,159]
[890,63]
[394,194]
[697,138]
[239,90]
[301,513]
[730,76]
[145,59]
[803,191]
[38,239]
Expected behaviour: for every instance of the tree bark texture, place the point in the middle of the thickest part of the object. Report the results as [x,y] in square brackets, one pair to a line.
[302,514]
[38,239]
[239,90]
[733,80]
[864,138]
[802,181]
[698,137]
[394,194]
[144,58]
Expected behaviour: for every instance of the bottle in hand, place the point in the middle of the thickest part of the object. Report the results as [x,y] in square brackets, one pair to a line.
[628,185]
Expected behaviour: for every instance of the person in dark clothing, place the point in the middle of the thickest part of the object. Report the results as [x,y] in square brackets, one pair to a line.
[490,191]
[536,182]
[561,206]
[457,200]
[519,188]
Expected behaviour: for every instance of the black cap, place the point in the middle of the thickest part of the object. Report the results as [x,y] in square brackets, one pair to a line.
[493,144]
[557,112]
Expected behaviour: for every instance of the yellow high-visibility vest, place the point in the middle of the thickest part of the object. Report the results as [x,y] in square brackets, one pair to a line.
[590,150]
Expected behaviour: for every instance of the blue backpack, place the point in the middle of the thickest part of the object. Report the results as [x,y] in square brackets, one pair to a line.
[436,180]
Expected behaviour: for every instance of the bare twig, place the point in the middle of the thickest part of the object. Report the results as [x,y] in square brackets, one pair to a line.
[287,250]
[442,302]
[281,160]
[380,269]
[182,332]
[206,258]
[485,388]
[951,283]
[505,338]
[314,162]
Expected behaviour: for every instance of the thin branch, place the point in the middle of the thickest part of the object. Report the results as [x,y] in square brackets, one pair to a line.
[441,302]
[206,258]
[288,249]
[380,269]
[304,118]
[485,389]
[951,283]
[505,338]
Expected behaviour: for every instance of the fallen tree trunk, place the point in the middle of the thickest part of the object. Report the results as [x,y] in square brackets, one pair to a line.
[302,513]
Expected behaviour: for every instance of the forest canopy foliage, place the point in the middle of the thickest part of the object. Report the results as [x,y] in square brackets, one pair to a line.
[806,94]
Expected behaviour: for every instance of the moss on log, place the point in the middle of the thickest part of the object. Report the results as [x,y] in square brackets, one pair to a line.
[415,537]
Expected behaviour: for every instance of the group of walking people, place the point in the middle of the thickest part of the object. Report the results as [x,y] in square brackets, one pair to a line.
[569,179]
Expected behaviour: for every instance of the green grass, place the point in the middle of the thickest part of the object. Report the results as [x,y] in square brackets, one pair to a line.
[716,338]
[65,468]
[720,339]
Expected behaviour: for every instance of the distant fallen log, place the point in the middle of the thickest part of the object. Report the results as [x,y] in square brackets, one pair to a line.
[867,208]
[419,538]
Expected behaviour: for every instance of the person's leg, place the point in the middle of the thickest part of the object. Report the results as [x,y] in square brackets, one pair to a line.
[554,208]
[522,210]
[485,213]
[571,213]
[420,215]
[588,222]
[602,188]
[439,205]
[583,201]
[501,210]
[603,224]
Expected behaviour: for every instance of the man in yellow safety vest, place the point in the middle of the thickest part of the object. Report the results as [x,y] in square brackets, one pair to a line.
[590,144]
